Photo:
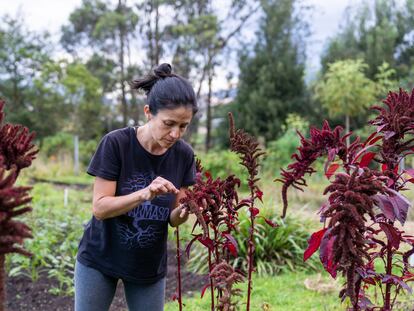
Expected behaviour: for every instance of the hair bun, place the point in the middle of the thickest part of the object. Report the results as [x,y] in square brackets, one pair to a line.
[163,70]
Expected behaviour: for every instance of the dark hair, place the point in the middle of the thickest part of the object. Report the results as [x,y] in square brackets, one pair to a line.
[166,90]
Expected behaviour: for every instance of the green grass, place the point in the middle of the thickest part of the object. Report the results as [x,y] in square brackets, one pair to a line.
[283,292]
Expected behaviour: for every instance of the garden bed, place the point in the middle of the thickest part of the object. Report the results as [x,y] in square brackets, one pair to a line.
[25,295]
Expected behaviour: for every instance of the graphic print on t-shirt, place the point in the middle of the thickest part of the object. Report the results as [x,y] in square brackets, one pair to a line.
[144,228]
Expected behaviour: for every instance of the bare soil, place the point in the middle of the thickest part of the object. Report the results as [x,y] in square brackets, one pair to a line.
[25,295]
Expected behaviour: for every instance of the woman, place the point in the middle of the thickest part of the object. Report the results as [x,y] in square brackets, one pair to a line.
[141,173]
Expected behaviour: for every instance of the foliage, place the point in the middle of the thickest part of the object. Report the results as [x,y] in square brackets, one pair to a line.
[277,250]
[56,232]
[278,151]
[271,81]
[215,203]
[107,31]
[16,153]
[23,54]
[62,144]
[344,89]
[363,203]
[376,31]
[222,164]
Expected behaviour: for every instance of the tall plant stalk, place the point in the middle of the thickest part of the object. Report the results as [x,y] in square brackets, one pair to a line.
[2,278]
[215,203]
[178,255]
[364,202]
[16,153]
[248,149]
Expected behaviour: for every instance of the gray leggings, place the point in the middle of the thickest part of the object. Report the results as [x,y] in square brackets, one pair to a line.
[95,291]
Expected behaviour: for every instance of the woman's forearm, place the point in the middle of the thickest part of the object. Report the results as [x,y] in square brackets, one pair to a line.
[112,206]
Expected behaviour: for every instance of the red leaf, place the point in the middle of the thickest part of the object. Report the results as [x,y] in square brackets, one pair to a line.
[326,254]
[244,202]
[207,242]
[254,211]
[331,154]
[313,243]
[361,152]
[384,168]
[232,244]
[271,223]
[366,159]
[385,206]
[393,236]
[331,170]
[208,174]
[174,297]
[401,206]
[232,249]
[259,195]
[375,140]
[203,290]
[369,138]
[394,207]
[188,248]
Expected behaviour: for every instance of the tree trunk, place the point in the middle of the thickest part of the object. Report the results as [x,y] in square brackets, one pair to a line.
[121,62]
[208,110]
[2,283]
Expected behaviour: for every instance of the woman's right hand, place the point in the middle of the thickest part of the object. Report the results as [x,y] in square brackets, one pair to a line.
[159,186]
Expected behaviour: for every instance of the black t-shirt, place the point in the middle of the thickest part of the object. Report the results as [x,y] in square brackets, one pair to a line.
[133,246]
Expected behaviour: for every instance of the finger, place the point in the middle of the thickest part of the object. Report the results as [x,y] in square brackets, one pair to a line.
[183,213]
[171,187]
[160,189]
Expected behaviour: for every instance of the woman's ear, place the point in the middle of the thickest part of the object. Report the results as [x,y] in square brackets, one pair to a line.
[147,112]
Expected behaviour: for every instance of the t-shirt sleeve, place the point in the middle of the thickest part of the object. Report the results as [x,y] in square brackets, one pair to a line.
[190,172]
[105,163]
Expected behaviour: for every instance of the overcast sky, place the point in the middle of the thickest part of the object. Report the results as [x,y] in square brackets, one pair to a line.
[51,14]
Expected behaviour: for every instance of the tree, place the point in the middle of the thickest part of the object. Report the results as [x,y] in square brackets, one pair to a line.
[198,38]
[271,81]
[345,90]
[107,31]
[375,31]
[22,57]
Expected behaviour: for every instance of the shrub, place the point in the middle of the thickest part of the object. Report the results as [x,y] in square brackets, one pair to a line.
[277,250]
[222,164]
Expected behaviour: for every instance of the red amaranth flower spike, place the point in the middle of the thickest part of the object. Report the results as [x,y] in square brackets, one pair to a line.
[16,144]
[247,147]
[16,153]
[321,142]
[364,202]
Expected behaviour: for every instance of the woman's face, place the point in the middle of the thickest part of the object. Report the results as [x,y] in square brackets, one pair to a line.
[169,125]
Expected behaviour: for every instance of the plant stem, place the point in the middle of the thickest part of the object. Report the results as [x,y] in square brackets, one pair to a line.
[180,303]
[387,302]
[251,249]
[2,283]
[210,268]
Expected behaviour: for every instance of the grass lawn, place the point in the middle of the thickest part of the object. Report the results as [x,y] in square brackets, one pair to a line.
[283,292]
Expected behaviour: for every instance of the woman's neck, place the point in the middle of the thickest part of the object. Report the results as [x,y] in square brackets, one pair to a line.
[147,141]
